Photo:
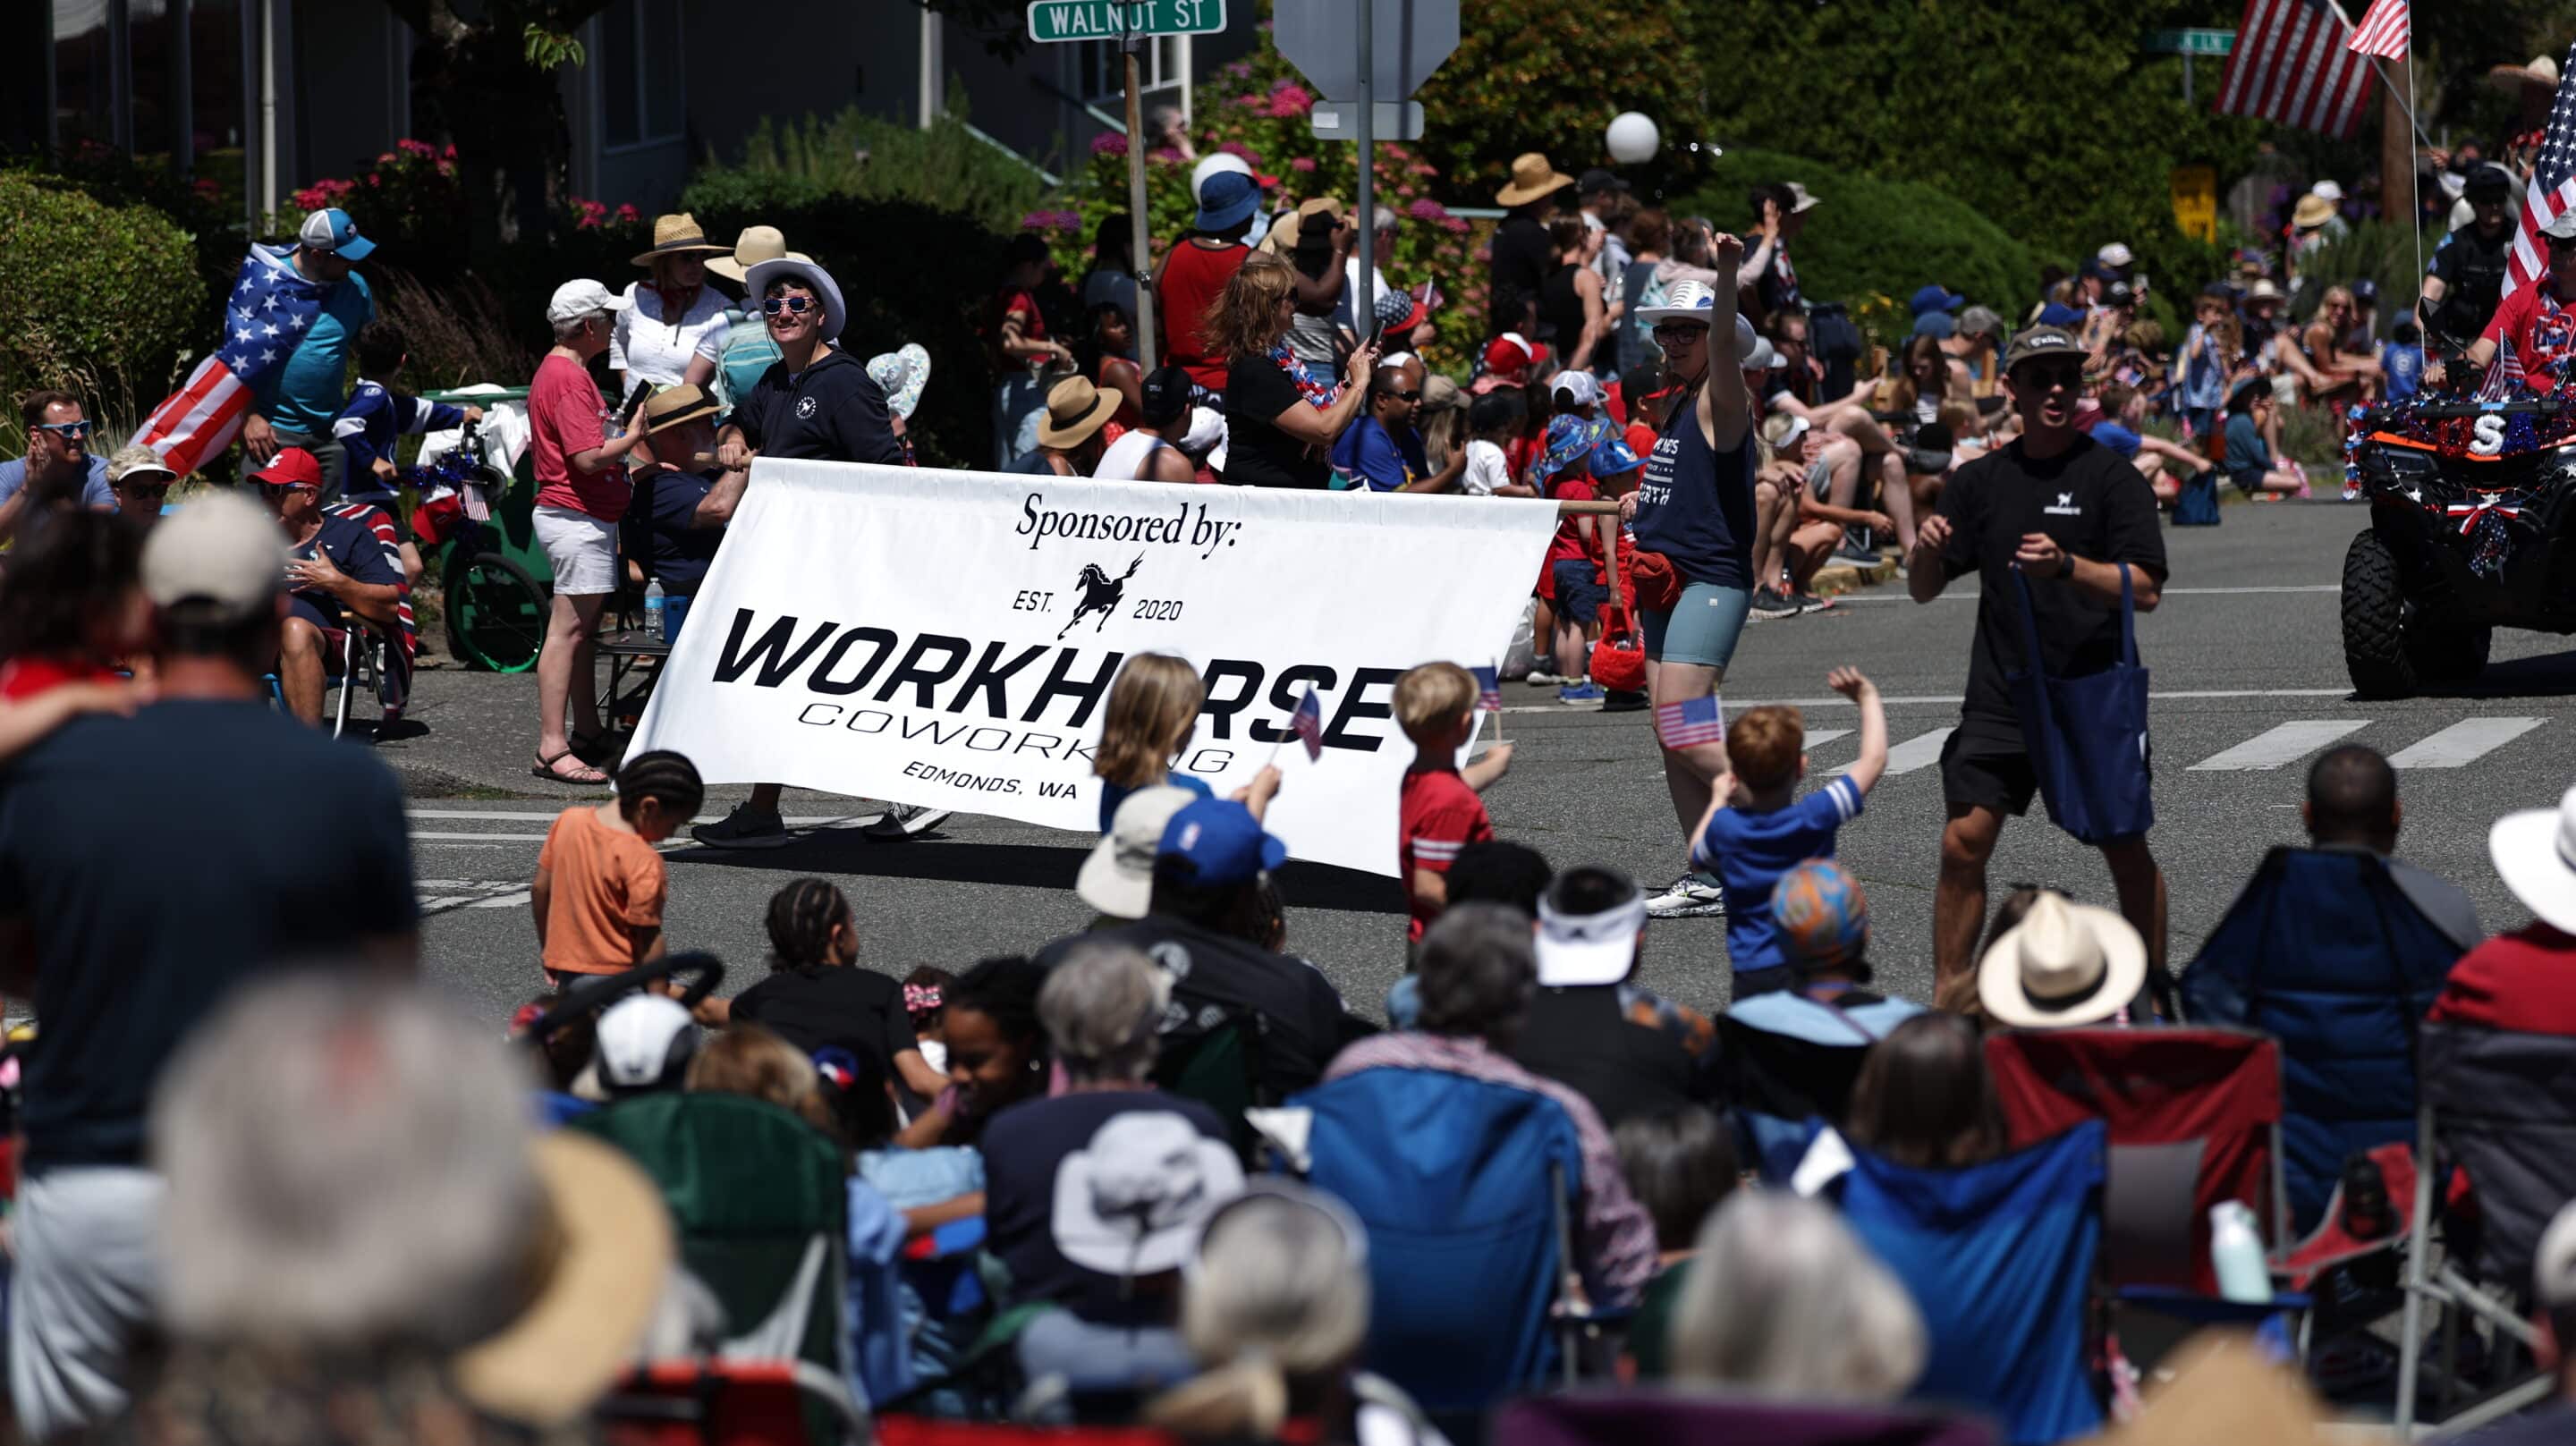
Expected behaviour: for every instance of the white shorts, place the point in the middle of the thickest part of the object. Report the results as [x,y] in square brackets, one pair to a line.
[582,548]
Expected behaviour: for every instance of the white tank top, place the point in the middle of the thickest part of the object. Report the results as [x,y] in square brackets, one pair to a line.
[1126,458]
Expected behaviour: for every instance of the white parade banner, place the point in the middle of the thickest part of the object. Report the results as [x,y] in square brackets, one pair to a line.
[949,638]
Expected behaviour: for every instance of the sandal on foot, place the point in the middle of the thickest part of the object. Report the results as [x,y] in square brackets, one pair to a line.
[545,768]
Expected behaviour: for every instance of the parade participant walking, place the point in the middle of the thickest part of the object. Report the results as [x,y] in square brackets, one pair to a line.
[2070,517]
[1696,508]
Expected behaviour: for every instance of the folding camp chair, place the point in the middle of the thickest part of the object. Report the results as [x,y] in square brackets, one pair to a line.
[2503,1105]
[1637,1415]
[729,1403]
[1220,1068]
[1462,1185]
[2325,953]
[1999,1259]
[760,1199]
[1775,1083]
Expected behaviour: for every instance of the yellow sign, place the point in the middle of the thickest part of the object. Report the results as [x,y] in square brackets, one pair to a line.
[2195,201]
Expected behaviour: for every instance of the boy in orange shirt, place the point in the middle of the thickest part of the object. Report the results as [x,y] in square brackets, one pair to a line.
[1439,811]
[600,885]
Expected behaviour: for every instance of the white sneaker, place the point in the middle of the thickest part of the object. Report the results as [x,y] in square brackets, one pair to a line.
[1542,678]
[903,820]
[1688,897]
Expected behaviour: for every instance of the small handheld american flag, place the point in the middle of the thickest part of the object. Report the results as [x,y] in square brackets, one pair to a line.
[1690,723]
[1308,723]
[1489,689]
[2505,377]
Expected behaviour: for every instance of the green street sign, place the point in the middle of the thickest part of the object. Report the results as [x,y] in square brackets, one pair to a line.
[1118,19]
[2190,42]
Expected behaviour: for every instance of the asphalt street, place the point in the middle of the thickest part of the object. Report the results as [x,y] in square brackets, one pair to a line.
[2248,687]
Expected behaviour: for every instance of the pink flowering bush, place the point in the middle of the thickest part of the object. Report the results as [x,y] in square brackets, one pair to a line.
[409,198]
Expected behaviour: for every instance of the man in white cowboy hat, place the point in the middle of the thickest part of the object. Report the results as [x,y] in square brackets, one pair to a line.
[745,349]
[816,403]
[2525,980]
[2065,965]
[672,328]
[1521,251]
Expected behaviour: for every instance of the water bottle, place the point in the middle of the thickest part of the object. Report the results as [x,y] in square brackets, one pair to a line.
[2236,1252]
[653,610]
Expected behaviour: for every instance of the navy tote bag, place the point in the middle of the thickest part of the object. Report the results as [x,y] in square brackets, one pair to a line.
[2087,736]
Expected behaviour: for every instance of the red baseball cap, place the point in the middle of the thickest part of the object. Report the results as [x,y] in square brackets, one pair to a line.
[291,467]
[1511,351]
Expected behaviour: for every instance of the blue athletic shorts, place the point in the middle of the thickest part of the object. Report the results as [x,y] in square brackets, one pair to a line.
[1578,596]
[1701,629]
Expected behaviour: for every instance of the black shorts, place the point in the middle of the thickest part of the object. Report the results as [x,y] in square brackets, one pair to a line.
[1984,771]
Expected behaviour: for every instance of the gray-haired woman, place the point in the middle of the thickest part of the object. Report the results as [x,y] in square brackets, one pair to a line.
[1092,1197]
[1783,1300]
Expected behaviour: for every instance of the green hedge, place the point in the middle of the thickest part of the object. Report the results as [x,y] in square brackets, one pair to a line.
[1872,243]
[93,298]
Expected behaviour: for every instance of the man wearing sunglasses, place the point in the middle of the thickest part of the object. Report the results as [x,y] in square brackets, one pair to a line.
[59,464]
[2064,512]
[1383,451]
[2537,318]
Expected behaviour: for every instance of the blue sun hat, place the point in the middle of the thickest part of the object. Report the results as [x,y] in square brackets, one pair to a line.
[901,374]
[1227,200]
[1611,454]
[1569,440]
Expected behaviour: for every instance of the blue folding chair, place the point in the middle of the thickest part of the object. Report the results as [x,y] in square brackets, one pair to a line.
[1999,1258]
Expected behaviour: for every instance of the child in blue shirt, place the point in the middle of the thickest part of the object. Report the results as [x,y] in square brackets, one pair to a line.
[374,418]
[2402,361]
[1753,833]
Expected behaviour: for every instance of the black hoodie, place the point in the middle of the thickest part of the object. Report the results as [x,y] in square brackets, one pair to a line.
[830,412]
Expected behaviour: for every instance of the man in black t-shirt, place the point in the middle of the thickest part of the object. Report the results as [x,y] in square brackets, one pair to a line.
[2466,279]
[2065,513]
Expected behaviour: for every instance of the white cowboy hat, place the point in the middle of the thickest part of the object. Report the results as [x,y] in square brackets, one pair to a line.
[1130,1202]
[1697,301]
[755,288]
[2535,855]
[2064,964]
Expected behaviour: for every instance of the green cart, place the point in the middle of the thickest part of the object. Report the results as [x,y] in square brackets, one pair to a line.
[498,582]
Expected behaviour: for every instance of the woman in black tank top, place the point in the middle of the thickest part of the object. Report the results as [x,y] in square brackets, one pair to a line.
[1570,308]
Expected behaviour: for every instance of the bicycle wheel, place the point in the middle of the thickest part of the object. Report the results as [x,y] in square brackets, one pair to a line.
[496,613]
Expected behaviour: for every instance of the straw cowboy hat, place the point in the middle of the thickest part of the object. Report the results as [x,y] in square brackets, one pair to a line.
[1533,179]
[2312,211]
[1074,410]
[675,406]
[677,236]
[2064,964]
[755,245]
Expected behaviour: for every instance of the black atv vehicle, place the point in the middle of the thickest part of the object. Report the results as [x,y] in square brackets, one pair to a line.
[2472,504]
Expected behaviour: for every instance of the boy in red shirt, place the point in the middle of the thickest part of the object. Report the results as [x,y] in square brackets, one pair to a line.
[1435,704]
[1564,474]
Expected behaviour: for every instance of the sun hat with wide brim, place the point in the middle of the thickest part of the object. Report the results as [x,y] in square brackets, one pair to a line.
[2535,854]
[1697,301]
[1074,410]
[678,406]
[755,245]
[1533,179]
[607,1256]
[901,374]
[678,235]
[1129,1201]
[2312,211]
[1118,877]
[2064,964]
[755,284]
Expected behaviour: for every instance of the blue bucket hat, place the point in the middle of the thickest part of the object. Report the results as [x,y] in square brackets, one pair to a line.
[1611,454]
[1226,201]
[1569,440]
[1215,842]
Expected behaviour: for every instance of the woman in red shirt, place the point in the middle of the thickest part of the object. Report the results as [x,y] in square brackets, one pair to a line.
[582,492]
[1194,275]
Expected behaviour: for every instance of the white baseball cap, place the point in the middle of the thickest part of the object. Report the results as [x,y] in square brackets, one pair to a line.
[1118,877]
[221,549]
[645,1041]
[2115,254]
[583,298]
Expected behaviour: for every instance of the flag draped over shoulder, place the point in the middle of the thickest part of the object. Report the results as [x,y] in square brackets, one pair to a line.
[266,316]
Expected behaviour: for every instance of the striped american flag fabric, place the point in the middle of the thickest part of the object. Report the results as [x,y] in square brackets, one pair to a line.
[2553,185]
[265,317]
[2383,31]
[1690,723]
[2292,65]
[406,632]
[2505,377]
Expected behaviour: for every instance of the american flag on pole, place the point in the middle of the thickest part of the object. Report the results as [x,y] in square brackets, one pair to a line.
[2292,65]
[1308,723]
[2382,32]
[1691,722]
[271,307]
[1489,688]
[2553,185]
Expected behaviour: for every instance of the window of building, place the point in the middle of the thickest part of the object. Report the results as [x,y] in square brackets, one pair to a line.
[639,74]
[1163,64]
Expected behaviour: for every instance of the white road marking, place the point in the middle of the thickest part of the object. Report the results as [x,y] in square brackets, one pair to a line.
[2464,742]
[2285,743]
[1920,751]
[2168,592]
[1819,737]
[479,837]
[497,815]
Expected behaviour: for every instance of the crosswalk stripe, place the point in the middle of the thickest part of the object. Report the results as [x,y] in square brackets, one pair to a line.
[1819,737]
[2282,744]
[1919,751]
[2464,742]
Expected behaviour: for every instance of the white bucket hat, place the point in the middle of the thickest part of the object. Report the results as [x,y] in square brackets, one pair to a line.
[1697,301]
[2064,964]
[1131,1201]
[2535,854]
[1118,878]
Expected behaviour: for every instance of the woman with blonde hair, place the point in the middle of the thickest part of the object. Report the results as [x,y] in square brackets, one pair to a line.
[1275,1305]
[749,1060]
[1153,709]
[1281,419]
[1783,1300]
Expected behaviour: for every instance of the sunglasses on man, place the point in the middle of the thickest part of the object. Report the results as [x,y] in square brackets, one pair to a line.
[772,305]
[2059,374]
[68,431]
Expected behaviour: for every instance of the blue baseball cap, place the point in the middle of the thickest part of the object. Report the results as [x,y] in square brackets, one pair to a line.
[1611,454]
[1227,200]
[1937,324]
[2057,314]
[1215,842]
[1937,298]
[332,232]
[1569,440]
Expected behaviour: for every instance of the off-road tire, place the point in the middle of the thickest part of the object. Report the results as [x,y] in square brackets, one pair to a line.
[2374,622]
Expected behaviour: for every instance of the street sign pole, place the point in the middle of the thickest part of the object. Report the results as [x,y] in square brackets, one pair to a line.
[1139,229]
[1364,306]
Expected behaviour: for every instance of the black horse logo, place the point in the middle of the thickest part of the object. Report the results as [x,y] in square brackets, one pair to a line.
[1100,594]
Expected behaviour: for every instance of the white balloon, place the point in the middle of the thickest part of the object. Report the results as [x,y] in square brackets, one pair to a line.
[1631,138]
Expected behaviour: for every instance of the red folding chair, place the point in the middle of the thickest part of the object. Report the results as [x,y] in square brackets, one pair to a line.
[714,1402]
